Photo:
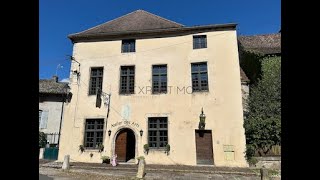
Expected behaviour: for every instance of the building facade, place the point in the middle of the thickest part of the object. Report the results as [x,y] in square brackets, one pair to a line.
[139,84]
[52,96]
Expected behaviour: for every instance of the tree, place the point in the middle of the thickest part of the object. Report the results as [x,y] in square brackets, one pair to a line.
[263,125]
[42,139]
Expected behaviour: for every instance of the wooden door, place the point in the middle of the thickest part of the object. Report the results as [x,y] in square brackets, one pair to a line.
[121,146]
[204,147]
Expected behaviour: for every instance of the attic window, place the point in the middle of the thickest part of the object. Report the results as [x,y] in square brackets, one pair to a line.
[128,45]
[199,42]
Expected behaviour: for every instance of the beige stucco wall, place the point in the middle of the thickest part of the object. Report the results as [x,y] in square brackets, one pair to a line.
[222,104]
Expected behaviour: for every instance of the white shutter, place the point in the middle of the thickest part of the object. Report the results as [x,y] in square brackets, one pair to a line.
[44,119]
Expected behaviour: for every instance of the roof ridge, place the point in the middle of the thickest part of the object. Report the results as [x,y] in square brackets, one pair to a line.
[107,22]
[159,17]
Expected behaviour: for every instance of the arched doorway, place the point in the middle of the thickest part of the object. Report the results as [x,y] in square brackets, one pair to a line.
[125,145]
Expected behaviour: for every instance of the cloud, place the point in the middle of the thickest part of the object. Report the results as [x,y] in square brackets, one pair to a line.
[65,80]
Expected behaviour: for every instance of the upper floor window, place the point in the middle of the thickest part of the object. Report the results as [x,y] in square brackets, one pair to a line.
[93,133]
[159,79]
[128,46]
[127,80]
[40,114]
[95,80]
[199,41]
[199,76]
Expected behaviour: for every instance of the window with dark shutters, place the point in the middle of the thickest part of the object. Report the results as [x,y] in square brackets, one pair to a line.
[127,80]
[128,45]
[157,132]
[96,77]
[93,133]
[199,41]
[199,76]
[159,79]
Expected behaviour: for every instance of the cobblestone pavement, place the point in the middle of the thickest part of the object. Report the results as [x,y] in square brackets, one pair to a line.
[96,171]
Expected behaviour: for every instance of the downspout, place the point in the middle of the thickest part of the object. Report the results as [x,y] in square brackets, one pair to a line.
[63,99]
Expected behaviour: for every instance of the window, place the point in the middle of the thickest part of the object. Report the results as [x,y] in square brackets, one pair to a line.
[93,133]
[159,79]
[95,80]
[43,119]
[127,80]
[199,41]
[158,132]
[40,113]
[128,46]
[199,76]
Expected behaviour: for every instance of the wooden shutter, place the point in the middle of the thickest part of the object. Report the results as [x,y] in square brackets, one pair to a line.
[44,119]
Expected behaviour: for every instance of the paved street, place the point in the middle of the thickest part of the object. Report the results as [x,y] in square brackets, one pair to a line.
[43,177]
[97,171]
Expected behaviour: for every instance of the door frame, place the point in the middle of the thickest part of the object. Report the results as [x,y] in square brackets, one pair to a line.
[113,147]
[195,143]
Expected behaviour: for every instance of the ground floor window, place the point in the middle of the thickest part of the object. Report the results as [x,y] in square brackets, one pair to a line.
[93,133]
[157,132]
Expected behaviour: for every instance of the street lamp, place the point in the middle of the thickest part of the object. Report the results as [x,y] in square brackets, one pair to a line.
[109,132]
[141,132]
[202,118]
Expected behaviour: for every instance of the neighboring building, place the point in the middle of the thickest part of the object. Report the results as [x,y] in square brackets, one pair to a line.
[160,75]
[52,95]
[245,89]
[265,44]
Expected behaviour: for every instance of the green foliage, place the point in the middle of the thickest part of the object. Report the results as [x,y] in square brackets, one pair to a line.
[140,157]
[252,161]
[42,140]
[104,158]
[100,147]
[251,65]
[81,148]
[167,147]
[263,125]
[146,147]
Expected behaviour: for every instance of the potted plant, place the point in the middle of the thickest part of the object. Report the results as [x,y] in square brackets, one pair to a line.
[140,158]
[167,149]
[105,159]
[146,148]
[81,148]
[100,147]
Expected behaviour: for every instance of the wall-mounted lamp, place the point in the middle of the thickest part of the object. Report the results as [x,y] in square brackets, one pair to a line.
[202,118]
[141,132]
[109,132]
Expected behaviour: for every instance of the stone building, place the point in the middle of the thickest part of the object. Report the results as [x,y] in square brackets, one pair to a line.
[144,85]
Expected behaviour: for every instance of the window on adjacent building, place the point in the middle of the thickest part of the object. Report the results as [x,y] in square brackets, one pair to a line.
[199,41]
[157,132]
[95,80]
[199,76]
[40,114]
[159,79]
[43,119]
[128,46]
[127,80]
[93,133]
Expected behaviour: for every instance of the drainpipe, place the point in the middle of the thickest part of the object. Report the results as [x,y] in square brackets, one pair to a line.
[63,99]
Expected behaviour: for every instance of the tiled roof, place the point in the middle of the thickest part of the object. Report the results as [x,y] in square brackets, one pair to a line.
[141,22]
[264,44]
[51,86]
[134,21]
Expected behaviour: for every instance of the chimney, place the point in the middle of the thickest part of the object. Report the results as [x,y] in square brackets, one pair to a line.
[55,78]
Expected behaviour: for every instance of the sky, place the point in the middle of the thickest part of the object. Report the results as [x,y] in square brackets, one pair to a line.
[59,18]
